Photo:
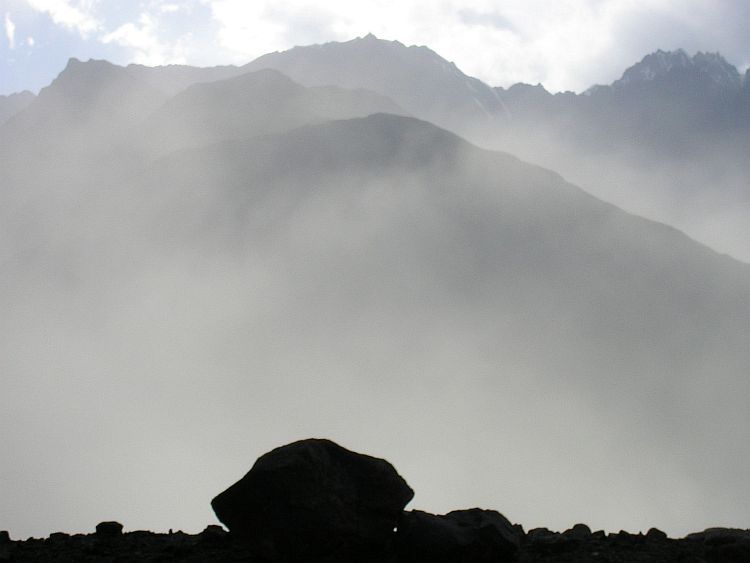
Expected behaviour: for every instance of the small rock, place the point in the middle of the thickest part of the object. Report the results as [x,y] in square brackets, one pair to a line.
[108,529]
[580,532]
[58,536]
[656,534]
[545,540]
[463,535]
[213,534]
[494,529]
[4,537]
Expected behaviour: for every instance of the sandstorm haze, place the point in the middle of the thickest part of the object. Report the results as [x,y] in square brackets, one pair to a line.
[527,300]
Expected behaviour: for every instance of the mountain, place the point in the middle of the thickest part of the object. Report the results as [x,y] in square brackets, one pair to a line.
[671,103]
[416,78]
[11,105]
[255,103]
[98,123]
[666,140]
[672,67]
[119,118]
[81,110]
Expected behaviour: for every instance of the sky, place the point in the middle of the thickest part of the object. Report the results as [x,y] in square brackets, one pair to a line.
[565,45]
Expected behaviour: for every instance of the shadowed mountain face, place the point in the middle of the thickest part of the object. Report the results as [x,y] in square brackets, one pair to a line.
[508,340]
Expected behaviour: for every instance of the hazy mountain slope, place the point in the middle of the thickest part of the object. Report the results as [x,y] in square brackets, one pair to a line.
[74,135]
[83,114]
[98,123]
[492,328]
[172,79]
[416,78]
[667,140]
[12,104]
[253,104]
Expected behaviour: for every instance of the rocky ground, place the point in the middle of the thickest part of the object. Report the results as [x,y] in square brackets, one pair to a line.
[718,545]
[313,501]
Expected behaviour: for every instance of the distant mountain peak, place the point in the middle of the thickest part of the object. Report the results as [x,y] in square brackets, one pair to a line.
[79,78]
[655,65]
[75,63]
[418,79]
[658,65]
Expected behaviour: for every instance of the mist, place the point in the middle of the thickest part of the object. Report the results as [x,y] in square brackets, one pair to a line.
[176,303]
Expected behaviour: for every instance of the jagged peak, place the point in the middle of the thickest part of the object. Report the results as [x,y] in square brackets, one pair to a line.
[662,63]
[80,82]
[77,71]
[654,65]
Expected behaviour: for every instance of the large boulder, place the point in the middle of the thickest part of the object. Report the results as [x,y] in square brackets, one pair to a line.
[314,498]
[461,536]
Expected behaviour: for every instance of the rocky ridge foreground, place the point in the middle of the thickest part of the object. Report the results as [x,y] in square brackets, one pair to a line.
[316,501]
[215,545]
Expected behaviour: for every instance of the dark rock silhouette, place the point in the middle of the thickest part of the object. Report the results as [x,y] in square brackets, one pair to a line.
[314,498]
[108,529]
[460,536]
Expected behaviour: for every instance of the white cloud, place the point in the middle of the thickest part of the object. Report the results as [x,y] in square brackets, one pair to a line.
[10,31]
[74,15]
[169,8]
[143,38]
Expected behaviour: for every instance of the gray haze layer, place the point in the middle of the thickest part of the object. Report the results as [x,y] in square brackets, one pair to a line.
[176,303]
[667,141]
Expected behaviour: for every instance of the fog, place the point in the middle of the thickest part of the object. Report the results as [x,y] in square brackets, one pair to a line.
[697,184]
[172,310]
[672,149]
